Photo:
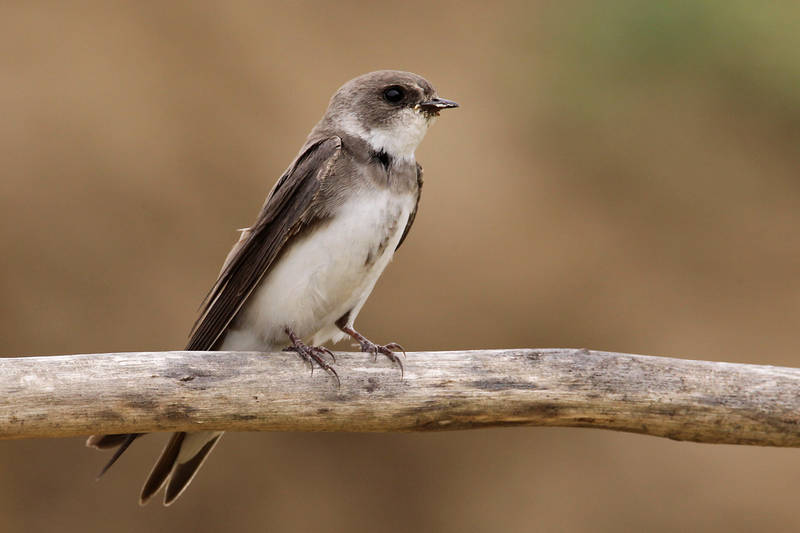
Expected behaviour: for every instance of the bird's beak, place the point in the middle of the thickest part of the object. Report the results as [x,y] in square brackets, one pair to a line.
[434,105]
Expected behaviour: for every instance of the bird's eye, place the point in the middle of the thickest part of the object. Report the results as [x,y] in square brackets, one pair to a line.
[394,94]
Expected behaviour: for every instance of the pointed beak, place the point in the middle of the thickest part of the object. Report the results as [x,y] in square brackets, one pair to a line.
[434,105]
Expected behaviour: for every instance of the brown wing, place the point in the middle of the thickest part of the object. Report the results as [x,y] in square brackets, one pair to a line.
[416,206]
[287,210]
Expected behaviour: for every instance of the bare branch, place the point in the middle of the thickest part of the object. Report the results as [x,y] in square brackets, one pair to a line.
[680,399]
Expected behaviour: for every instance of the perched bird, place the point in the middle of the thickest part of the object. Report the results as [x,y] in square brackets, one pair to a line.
[298,277]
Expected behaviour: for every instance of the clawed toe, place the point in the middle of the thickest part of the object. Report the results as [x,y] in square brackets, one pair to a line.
[375,349]
[395,346]
[323,350]
[370,347]
[393,356]
[313,354]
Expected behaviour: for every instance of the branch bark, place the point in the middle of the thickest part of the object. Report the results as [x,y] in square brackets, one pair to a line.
[699,401]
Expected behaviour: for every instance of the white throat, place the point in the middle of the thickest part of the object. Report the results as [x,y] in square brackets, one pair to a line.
[398,139]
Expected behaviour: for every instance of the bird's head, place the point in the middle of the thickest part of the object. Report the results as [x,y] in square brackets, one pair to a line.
[389,109]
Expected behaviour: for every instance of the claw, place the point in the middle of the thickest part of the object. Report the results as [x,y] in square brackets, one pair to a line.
[302,355]
[324,350]
[332,371]
[395,346]
[368,346]
[311,354]
[392,356]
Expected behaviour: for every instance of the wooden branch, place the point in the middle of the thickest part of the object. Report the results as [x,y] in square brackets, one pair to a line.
[680,399]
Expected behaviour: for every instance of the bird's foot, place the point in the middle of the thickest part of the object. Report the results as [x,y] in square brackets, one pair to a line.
[370,347]
[312,354]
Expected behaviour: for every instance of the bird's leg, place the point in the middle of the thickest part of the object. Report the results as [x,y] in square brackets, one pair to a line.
[311,354]
[370,347]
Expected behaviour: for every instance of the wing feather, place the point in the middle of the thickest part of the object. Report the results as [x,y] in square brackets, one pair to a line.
[413,214]
[286,212]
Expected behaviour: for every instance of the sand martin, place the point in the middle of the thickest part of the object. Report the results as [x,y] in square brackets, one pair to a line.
[298,277]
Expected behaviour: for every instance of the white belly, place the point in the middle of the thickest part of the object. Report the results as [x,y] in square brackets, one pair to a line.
[327,273]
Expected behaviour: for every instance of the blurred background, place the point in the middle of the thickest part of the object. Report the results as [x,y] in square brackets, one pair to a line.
[621,176]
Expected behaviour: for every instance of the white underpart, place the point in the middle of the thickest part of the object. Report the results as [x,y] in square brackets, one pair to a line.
[398,139]
[319,279]
[324,275]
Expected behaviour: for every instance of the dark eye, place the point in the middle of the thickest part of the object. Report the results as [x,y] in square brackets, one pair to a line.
[394,94]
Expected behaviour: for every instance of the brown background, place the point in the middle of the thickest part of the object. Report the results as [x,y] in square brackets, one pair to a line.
[622,175]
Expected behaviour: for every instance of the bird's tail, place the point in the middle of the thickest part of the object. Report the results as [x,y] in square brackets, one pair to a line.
[103,442]
[182,457]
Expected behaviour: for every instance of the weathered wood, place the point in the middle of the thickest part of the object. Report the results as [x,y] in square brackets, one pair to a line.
[680,399]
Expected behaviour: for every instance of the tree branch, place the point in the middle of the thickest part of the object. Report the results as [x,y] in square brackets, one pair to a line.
[700,401]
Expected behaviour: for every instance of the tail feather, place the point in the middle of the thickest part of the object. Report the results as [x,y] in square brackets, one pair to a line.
[183,455]
[162,468]
[103,442]
[183,473]
[123,445]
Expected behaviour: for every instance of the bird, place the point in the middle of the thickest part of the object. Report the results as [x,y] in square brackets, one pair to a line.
[298,277]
